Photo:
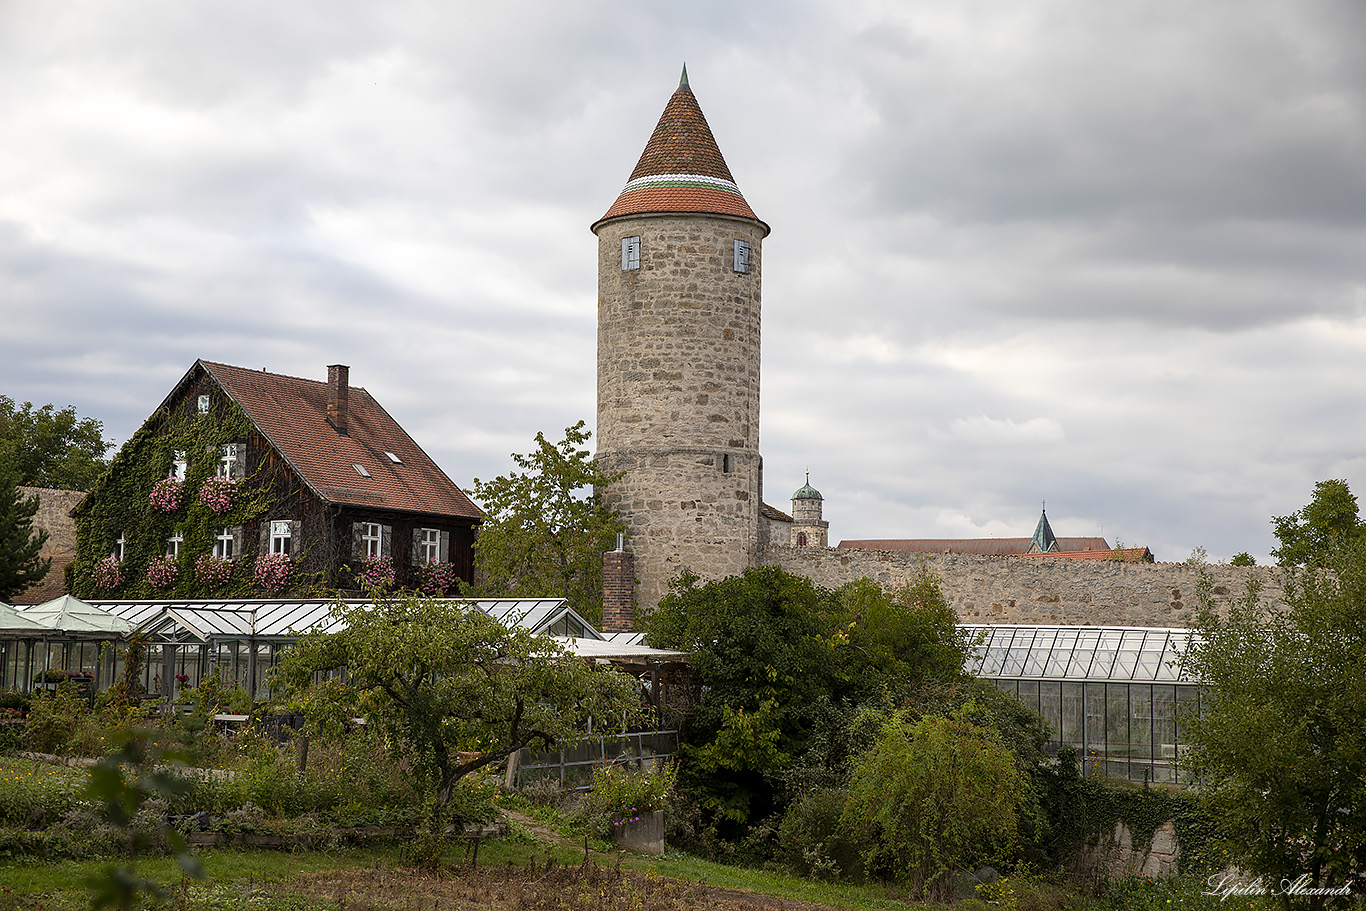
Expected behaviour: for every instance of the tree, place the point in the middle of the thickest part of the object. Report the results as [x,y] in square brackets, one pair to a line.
[1308,537]
[782,667]
[546,526]
[1279,747]
[21,567]
[51,448]
[1243,558]
[447,685]
[932,797]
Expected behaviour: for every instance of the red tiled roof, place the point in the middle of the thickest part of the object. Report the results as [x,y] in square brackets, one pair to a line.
[292,414]
[682,168]
[982,546]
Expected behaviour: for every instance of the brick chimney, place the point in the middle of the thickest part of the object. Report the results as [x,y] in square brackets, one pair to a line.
[338,386]
[618,590]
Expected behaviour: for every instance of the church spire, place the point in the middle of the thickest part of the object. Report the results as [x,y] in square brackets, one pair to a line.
[1043,541]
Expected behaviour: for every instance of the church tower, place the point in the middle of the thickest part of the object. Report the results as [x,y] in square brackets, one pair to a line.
[679,263]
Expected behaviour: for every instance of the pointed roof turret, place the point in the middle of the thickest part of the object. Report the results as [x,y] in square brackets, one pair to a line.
[1043,541]
[681,169]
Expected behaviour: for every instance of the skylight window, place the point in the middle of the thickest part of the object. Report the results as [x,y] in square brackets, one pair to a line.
[393,458]
[360,470]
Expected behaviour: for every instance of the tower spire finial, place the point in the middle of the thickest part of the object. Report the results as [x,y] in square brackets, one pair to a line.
[683,81]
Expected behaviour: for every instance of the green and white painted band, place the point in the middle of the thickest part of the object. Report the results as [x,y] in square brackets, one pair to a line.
[683,180]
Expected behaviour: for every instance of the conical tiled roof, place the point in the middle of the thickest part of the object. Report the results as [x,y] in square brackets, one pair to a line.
[1043,541]
[681,169]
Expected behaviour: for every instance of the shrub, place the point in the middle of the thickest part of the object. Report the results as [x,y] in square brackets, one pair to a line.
[53,718]
[810,834]
[377,573]
[272,571]
[933,797]
[621,794]
[436,578]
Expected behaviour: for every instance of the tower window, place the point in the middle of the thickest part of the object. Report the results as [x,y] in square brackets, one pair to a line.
[630,253]
[801,539]
[725,464]
[741,256]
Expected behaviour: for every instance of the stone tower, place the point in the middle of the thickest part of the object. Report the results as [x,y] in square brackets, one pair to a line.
[808,528]
[679,263]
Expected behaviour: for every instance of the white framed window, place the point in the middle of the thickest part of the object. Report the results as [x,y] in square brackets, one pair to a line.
[178,465]
[741,256]
[203,404]
[630,253]
[281,536]
[228,456]
[174,543]
[429,545]
[120,543]
[225,544]
[372,539]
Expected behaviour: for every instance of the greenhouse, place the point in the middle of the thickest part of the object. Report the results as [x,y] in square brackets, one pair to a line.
[59,639]
[1112,693]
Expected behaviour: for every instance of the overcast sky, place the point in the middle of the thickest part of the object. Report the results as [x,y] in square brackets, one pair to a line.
[1111,255]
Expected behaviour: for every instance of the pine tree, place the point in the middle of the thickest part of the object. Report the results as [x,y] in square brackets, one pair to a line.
[20,565]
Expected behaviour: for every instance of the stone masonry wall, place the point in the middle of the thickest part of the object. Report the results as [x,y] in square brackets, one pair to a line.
[53,517]
[1031,590]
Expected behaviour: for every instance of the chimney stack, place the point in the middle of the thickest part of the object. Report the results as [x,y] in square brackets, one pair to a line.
[618,590]
[338,387]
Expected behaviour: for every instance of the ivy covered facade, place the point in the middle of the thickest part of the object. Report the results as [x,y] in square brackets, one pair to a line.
[246,483]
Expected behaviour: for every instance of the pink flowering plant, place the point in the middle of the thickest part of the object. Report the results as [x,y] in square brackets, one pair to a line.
[272,571]
[108,573]
[376,573]
[216,493]
[162,572]
[212,571]
[436,578]
[166,495]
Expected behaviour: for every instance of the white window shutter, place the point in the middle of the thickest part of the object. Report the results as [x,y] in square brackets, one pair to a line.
[445,547]
[386,540]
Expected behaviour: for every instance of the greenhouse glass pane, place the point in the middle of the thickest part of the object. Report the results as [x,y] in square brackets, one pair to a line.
[1083,655]
[1037,661]
[1095,718]
[1117,720]
[1126,660]
[1107,649]
[1164,721]
[1141,720]
[1029,693]
[1050,707]
[1072,714]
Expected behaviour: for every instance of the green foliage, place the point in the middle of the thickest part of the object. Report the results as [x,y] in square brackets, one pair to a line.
[621,792]
[812,840]
[783,667]
[53,718]
[1198,556]
[1242,558]
[1279,749]
[1310,536]
[50,448]
[21,566]
[121,784]
[546,527]
[34,796]
[121,504]
[933,797]
[447,685]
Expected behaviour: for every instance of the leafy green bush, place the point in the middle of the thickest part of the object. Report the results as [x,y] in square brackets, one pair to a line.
[34,796]
[933,797]
[621,793]
[53,718]
[811,837]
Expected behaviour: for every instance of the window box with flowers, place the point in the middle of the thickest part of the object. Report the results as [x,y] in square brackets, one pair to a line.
[376,573]
[108,574]
[213,571]
[217,494]
[436,578]
[162,572]
[272,571]
[167,495]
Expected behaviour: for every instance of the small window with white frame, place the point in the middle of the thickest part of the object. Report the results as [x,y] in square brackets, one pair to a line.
[228,455]
[174,543]
[203,404]
[372,540]
[281,536]
[741,256]
[630,253]
[120,544]
[224,544]
[429,546]
[179,464]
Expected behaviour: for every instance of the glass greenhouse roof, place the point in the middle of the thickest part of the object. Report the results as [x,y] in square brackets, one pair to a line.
[1136,654]
[286,619]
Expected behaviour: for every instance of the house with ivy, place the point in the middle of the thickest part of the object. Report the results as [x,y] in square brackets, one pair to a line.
[244,482]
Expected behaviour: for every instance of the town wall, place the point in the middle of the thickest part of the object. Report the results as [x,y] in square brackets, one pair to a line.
[53,517]
[1034,590]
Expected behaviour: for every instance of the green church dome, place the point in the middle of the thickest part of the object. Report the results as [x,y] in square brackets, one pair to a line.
[807,492]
